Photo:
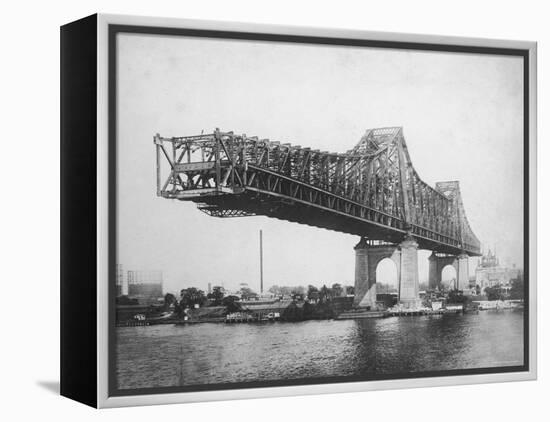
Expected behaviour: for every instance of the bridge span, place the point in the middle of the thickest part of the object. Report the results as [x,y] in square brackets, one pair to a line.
[372,191]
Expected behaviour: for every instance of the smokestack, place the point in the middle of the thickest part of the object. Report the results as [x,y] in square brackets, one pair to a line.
[261,265]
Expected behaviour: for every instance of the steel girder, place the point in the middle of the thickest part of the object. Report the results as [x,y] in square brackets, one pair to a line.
[371,190]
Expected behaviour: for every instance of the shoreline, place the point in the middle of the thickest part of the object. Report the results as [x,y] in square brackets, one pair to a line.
[344,316]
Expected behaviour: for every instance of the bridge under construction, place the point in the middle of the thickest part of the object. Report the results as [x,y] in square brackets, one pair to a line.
[372,191]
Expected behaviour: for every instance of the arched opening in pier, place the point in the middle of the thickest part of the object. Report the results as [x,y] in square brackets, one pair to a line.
[386,277]
[449,277]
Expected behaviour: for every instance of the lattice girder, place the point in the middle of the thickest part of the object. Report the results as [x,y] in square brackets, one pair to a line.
[373,188]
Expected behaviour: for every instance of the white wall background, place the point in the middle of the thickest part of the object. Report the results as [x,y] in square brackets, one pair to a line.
[29,211]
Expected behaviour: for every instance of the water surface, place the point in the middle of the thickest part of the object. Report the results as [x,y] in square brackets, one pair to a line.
[169,355]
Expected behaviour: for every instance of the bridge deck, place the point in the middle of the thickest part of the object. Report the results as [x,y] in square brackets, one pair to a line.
[370,191]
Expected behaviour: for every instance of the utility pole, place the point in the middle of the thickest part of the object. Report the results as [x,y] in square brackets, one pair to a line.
[261,265]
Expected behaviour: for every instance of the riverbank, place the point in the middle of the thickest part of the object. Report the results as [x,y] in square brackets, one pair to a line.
[293,311]
[217,352]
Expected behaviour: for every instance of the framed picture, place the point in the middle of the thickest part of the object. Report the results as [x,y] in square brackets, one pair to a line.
[254,211]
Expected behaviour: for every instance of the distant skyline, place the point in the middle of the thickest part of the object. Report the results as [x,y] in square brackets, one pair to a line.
[462,120]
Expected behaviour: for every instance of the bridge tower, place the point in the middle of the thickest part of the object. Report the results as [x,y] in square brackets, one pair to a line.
[405,256]
[367,256]
[408,284]
[440,261]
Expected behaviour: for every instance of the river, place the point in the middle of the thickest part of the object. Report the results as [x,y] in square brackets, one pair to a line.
[169,355]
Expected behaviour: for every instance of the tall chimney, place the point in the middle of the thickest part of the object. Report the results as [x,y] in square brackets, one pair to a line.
[261,265]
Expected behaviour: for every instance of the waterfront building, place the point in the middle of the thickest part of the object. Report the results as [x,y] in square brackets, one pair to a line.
[121,282]
[490,272]
[145,286]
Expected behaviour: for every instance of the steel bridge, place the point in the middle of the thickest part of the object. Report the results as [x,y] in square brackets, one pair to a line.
[371,190]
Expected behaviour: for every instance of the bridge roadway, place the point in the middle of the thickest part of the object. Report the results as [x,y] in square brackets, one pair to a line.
[372,191]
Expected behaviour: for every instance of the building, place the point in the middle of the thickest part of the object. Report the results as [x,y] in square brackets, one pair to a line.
[145,286]
[489,272]
[121,283]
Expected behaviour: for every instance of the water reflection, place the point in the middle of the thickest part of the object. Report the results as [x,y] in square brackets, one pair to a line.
[166,355]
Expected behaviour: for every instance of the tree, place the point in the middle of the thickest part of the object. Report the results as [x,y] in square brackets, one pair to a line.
[350,290]
[217,295]
[517,290]
[337,290]
[325,293]
[312,293]
[247,293]
[494,292]
[231,303]
[298,292]
[192,296]
[285,291]
[169,300]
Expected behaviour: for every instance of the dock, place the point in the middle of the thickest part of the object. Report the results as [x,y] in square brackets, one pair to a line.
[240,317]
[361,313]
[133,323]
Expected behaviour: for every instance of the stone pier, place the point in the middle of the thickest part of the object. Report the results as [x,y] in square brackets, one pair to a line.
[405,257]
[367,257]
[440,261]
[408,284]
[462,275]
[437,263]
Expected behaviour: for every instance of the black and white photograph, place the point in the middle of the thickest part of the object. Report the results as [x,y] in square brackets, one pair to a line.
[294,211]
[282,210]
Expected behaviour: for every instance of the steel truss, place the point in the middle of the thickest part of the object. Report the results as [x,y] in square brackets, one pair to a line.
[372,190]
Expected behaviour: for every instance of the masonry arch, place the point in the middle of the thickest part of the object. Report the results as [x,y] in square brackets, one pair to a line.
[367,258]
[387,278]
[449,276]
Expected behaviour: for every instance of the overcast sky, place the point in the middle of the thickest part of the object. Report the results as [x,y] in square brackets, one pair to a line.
[462,120]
